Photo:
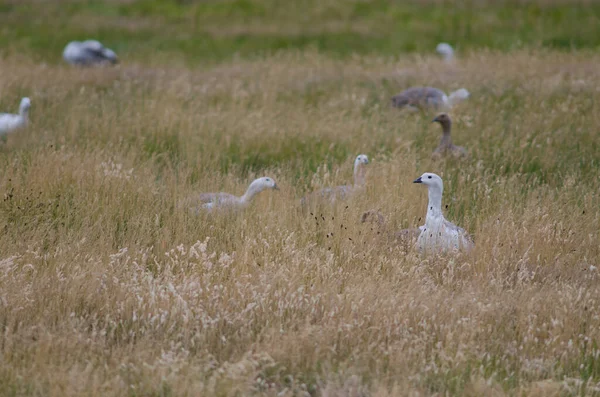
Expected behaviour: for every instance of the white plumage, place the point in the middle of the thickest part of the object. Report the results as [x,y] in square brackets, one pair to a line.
[11,122]
[439,234]
[88,53]
[446,51]
[214,201]
[343,191]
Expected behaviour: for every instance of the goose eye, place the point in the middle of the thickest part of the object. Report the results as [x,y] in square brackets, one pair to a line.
[429,177]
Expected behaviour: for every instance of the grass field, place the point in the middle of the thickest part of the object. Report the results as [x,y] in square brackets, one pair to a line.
[109,288]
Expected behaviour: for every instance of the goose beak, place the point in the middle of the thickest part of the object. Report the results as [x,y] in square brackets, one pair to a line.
[435,119]
[418,180]
[275,187]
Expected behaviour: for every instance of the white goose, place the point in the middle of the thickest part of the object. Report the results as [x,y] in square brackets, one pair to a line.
[343,191]
[428,97]
[11,122]
[446,51]
[439,234]
[88,53]
[214,201]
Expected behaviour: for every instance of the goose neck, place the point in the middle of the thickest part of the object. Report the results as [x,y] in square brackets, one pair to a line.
[446,128]
[252,191]
[359,175]
[446,140]
[434,207]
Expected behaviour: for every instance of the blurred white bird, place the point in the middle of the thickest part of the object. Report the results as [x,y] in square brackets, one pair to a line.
[214,201]
[343,191]
[439,234]
[11,122]
[446,51]
[88,53]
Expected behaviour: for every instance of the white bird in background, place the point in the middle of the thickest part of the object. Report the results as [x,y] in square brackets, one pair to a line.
[213,201]
[344,191]
[11,122]
[88,53]
[446,51]
[439,234]
[428,97]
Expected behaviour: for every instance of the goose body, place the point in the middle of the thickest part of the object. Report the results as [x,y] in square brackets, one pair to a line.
[428,97]
[342,192]
[220,200]
[446,147]
[12,122]
[438,234]
[88,53]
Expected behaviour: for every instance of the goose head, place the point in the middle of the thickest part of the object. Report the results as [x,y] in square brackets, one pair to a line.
[264,183]
[257,186]
[431,180]
[444,121]
[361,160]
[442,118]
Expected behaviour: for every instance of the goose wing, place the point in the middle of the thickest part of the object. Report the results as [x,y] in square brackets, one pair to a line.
[418,96]
[92,51]
[458,234]
[455,151]
[92,54]
[217,198]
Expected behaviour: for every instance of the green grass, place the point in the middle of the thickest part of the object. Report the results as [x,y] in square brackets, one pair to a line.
[214,30]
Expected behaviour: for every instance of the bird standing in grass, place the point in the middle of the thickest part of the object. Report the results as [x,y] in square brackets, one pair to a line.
[89,53]
[446,51]
[216,201]
[343,191]
[12,122]
[446,146]
[438,234]
[428,97]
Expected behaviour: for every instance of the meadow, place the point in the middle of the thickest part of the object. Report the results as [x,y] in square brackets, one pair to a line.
[109,288]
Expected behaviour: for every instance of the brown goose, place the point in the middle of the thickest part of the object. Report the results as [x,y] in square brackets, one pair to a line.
[446,146]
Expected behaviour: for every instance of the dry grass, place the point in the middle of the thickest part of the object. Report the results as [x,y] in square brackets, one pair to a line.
[106,288]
